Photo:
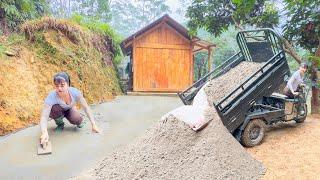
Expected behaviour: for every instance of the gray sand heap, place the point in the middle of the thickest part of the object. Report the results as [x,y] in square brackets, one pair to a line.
[221,86]
[171,150]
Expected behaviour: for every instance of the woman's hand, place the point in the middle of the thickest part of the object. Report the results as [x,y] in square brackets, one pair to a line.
[95,128]
[87,109]
[44,139]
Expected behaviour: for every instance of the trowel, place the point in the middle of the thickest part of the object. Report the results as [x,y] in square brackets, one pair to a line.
[200,127]
[44,150]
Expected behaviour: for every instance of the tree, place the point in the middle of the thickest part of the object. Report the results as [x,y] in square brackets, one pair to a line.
[183,6]
[95,9]
[129,16]
[303,27]
[226,45]
[200,65]
[15,12]
[217,16]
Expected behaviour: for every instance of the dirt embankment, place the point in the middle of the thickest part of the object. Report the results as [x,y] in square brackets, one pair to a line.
[26,75]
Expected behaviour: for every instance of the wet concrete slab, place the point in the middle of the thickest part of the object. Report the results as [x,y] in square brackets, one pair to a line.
[75,150]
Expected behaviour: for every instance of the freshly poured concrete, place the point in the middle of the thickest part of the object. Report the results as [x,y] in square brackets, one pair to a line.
[75,150]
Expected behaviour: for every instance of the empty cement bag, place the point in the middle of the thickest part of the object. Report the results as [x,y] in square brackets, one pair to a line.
[201,98]
[194,116]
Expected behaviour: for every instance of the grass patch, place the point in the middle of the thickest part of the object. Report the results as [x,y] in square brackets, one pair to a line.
[15,39]
[2,49]
[103,29]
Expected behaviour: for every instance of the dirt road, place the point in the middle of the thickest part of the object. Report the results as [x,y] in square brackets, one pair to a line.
[75,150]
[291,151]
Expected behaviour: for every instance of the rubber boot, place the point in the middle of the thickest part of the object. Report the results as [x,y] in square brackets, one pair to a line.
[81,124]
[60,124]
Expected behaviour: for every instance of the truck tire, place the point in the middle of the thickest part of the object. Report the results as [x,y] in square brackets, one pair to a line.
[301,119]
[253,133]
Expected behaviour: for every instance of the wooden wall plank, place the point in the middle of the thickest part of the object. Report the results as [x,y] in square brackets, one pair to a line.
[163,34]
[162,61]
[134,69]
[191,62]
[164,46]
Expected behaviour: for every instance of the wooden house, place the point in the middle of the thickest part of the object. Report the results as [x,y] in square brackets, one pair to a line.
[161,56]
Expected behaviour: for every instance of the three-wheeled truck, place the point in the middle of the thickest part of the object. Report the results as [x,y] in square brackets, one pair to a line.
[253,105]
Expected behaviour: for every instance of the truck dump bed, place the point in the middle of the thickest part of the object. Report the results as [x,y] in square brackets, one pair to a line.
[262,46]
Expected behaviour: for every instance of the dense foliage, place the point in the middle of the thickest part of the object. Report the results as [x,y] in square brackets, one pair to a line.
[216,16]
[15,12]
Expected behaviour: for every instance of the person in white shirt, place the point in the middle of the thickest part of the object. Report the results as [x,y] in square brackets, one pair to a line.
[60,103]
[295,80]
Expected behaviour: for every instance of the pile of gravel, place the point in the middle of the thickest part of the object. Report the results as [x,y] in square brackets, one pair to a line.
[221,86]
[171,150]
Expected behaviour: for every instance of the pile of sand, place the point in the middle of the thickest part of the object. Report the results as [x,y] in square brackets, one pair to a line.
[221,86]
[171,150]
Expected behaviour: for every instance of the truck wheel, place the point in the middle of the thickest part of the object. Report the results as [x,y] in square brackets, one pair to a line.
[304,116]
[253,133]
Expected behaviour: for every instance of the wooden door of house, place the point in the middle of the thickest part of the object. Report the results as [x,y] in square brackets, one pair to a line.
[162,69]
[162,61]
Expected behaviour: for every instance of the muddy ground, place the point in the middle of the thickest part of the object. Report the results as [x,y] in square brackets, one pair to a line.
[291,151]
